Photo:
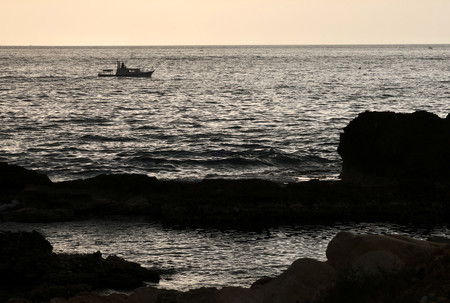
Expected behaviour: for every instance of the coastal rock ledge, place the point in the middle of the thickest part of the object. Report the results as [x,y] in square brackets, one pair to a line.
[360,268]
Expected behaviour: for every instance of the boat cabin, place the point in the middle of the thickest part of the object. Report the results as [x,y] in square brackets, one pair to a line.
[123,70]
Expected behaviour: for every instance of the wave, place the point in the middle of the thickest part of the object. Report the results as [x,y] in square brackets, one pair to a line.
[433,58]
[86,120]
[99,138]
[221,158]
[211,162]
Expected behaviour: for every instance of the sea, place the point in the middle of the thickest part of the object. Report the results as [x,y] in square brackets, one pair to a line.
[234,112]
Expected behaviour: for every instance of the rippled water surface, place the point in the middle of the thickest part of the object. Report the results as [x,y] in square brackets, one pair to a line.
[265,112]
[208,257]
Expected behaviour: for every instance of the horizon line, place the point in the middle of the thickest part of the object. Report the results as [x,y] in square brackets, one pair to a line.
[218,45]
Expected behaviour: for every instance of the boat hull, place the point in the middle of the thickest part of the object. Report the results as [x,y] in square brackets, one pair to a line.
[132,75]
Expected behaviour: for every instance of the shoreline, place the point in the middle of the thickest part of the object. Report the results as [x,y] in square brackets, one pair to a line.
[358,268]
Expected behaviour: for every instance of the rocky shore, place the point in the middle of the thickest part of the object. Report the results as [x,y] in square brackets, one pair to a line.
[394,169]
[359,268]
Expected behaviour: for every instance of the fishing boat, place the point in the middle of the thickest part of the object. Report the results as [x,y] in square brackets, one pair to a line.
[124,71]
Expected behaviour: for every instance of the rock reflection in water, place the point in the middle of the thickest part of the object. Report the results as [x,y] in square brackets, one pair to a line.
[207,257]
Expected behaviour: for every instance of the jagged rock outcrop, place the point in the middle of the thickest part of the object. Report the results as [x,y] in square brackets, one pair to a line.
[380,146]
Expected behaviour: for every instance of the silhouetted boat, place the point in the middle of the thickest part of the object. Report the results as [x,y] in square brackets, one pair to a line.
[123,71]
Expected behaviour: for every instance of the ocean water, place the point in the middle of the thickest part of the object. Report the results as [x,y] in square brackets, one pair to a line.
[208,112]
[271,112]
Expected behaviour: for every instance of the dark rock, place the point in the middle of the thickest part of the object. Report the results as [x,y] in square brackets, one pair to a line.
[18,300]
[115,184]
[97,272]
[22,257]
[390,146]
[92,298]
[306,280]
[439,239]
[121,274]
[45,291]
[230,203]
[387,268]
[151,294]
[7,206]
[14,178]
[29,269]
[261,281]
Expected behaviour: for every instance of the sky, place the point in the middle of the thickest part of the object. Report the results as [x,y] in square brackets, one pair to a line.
[223,22]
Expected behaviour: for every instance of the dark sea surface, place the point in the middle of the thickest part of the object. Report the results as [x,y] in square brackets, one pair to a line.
[207,112]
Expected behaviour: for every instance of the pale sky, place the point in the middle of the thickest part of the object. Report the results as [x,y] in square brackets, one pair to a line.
[223,22]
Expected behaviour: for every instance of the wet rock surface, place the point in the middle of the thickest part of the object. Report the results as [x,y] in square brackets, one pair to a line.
[29,269]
